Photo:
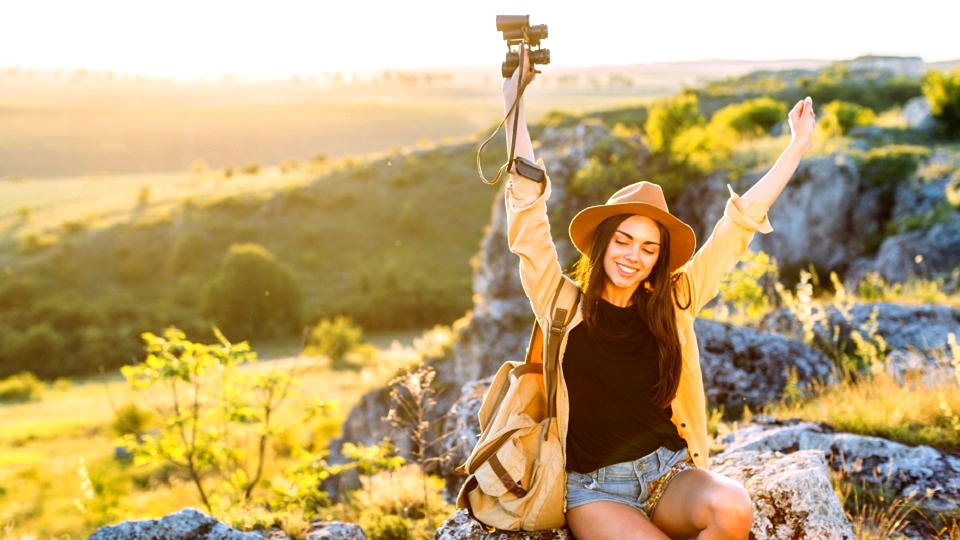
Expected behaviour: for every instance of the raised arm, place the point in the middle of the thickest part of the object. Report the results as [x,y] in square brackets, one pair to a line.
[768,188]
[524,144]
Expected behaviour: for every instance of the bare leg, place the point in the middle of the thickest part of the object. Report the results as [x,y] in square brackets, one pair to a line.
[704,505]
[607,520]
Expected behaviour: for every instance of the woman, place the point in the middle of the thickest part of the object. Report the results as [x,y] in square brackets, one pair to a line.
[630,397]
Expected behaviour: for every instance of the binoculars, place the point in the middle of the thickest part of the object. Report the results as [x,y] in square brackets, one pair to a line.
[516,30]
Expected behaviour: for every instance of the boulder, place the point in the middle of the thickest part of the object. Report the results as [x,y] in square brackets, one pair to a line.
[745,367]
[187,523]
[195,525]
[792,495]
[927,476]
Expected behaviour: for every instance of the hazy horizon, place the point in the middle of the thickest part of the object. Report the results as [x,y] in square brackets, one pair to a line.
[188,41]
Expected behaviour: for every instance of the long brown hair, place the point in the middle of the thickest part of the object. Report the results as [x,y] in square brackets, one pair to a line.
[657,303]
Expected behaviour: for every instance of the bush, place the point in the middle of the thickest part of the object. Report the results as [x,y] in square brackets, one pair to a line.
[752,118]
[667,119]
[20,388]
[41,347]
[615,161]
[335,339]
[839,116]
[887,166]
[253,295]
[943,92]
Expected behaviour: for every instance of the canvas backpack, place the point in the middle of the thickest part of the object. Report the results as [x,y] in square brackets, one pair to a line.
[516,472]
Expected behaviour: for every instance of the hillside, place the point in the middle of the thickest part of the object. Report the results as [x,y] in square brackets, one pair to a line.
[386,240]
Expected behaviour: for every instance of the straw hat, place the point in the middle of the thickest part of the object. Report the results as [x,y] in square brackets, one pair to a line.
[642,199]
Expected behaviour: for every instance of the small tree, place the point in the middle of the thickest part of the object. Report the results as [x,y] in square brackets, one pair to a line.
[253,295]
[220,420]
[942,89]
[667,119]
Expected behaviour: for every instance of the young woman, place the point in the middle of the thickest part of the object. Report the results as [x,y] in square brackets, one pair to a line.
[630,397]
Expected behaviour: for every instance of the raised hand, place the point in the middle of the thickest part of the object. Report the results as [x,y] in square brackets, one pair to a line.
[802,120]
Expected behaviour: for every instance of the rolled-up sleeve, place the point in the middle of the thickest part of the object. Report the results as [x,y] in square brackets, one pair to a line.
[747,213]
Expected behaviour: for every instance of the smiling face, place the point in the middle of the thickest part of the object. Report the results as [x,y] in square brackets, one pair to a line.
[630,257]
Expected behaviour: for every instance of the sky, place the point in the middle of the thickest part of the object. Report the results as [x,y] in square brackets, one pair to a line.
[188,39]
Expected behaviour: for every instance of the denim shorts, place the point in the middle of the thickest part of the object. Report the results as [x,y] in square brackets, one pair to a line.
[639,483]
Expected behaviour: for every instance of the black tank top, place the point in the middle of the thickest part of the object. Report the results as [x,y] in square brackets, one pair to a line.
[610,381]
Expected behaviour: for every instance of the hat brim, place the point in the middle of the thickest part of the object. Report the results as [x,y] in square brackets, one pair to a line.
[683,241]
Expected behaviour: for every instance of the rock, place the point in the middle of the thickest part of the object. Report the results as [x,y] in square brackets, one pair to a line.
[334,530]
[921,253]
[917,115]
[195,525]
[822,217]
[931,478]
[744,367]
[909,332]
[792,495]
[187,523]
[461,527]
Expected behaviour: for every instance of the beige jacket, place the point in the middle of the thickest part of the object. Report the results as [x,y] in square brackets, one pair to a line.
[528,233]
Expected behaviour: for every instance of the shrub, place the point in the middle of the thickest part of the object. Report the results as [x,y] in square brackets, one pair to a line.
[253,295]
[250,168]
[887,166]
[335,339]
[752,118]
[41,347]
[131,420]
[668,118]
[942,89]
[614,161]
[21,387]
[839,116]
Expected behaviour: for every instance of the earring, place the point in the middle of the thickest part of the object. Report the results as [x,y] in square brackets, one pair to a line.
[647,287]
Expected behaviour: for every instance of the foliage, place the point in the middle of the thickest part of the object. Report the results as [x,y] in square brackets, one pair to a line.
[336,339]
[942,90]
[744,295]
[614,161]
[395,493]
[838,117]
[221,420]
[915,291]
[668,118]
[887,166]
[413,395]
[21,387]
[253,295]
[751,118]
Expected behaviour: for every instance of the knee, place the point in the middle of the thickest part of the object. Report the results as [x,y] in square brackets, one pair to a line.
[733,510]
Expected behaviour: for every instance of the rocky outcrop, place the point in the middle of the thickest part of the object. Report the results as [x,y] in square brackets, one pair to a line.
[823,216]
[915,336]
[928,477]
[746,368]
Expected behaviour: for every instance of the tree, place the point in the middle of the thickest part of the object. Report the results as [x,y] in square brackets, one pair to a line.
[839,116]
[253,295]
[942,89]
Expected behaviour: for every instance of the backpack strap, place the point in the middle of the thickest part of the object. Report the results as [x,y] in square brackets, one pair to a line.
[562,315]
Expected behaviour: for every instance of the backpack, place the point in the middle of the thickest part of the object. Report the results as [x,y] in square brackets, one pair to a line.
[516,472]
